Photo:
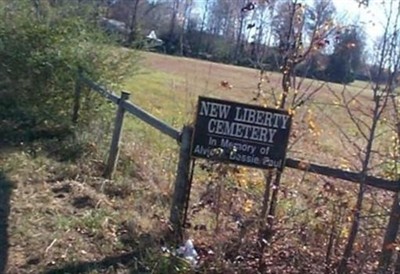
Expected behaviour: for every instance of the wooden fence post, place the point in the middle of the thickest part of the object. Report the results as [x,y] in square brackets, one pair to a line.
[114,149]
[77,98]
[181,182]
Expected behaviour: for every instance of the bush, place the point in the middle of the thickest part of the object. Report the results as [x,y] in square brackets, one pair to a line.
[41,49]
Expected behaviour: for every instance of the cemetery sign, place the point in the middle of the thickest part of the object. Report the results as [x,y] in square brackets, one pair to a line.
[239,133]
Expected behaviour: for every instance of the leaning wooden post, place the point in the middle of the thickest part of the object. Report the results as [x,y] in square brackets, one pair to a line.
[77,97]
[181,182]
[114,149]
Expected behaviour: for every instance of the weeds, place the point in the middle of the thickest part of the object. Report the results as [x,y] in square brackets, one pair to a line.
[121,224]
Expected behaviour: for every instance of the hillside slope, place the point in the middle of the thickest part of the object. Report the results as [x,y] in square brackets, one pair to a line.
[63,217]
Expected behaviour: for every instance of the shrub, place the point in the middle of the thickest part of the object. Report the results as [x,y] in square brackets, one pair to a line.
[41,49]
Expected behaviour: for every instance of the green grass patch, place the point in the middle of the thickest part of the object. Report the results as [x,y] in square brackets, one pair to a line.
[154,92]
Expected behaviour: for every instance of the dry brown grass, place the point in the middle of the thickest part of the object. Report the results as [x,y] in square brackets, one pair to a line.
[64,213]
[325,144]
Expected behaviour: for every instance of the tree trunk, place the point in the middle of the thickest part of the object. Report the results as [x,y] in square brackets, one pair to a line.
[187,11]
[133,23]
[175,9]
[238,39]
[348,250]
[390,236]
[286,84]
[342,268]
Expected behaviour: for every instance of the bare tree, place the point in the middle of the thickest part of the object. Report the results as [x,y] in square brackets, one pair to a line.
[295,49]
[187,10]
[133,26]
[203,18]
[298,38]
[390,50]
[241,17]
[174,15]
[387,60]
[221,18]
[262,41]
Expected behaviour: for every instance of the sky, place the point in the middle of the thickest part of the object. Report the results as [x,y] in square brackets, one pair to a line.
[372,17]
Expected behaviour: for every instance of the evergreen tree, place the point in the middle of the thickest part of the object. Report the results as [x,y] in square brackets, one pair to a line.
[347,56]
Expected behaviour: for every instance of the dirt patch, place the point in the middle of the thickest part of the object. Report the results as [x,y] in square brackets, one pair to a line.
[67,221]
[83,201]
[62,191]
[57,222]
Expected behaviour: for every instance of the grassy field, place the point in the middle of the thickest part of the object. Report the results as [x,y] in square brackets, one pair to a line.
[63,217]
[169,86]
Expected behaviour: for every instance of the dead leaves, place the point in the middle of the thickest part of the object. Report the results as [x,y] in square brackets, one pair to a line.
[225,84]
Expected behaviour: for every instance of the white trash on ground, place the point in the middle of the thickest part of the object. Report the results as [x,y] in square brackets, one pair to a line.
[188,252]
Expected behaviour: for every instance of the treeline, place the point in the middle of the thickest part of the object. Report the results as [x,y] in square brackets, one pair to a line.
[252,34]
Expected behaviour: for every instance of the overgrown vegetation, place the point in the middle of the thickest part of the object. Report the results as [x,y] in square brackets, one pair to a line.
[54,200]
[42,48]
